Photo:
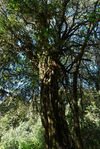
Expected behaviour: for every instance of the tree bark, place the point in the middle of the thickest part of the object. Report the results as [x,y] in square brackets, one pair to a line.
[56,132]
[77,130]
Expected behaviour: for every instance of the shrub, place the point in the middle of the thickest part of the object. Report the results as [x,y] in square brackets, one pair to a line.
[28,135]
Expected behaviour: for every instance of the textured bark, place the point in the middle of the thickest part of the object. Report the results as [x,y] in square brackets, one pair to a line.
[57,135]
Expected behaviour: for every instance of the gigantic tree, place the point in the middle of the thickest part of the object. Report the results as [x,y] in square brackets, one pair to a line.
[53,39]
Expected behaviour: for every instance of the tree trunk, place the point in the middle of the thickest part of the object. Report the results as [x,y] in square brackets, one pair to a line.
[97,59]
[77,130]
[57,135]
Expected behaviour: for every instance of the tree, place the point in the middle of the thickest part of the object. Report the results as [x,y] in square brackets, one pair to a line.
[53,38]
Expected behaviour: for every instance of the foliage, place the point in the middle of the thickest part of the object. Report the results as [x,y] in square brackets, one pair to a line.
[89,119]
[26,134]
[91,123]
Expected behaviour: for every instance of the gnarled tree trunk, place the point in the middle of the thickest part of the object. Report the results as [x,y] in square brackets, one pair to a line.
[57,135]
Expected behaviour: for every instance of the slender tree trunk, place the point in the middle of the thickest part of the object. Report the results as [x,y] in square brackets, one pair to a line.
[97,59]
[79,143]
[57,135]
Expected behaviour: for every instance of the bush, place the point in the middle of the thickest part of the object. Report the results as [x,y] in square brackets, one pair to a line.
[28,135]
